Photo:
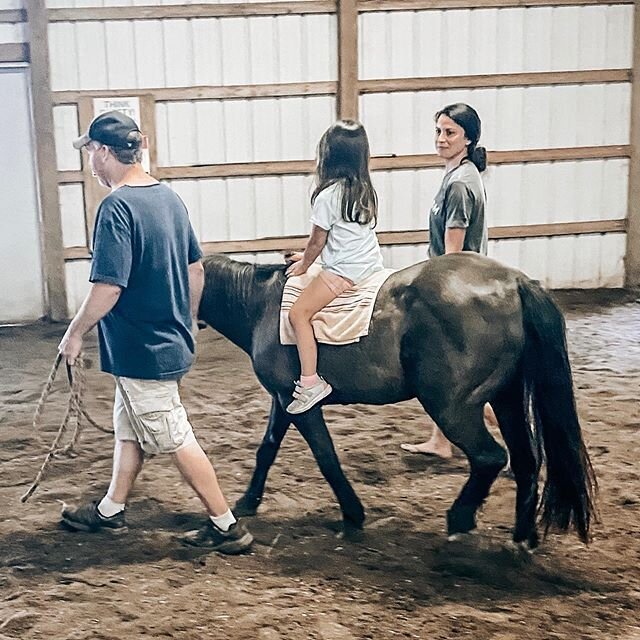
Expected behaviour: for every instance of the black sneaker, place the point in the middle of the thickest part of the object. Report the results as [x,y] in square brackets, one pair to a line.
[88,518]
[236,540]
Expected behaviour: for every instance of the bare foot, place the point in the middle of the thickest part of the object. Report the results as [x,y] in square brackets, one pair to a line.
[442,450]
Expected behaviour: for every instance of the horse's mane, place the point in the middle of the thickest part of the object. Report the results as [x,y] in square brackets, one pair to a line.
[242,282]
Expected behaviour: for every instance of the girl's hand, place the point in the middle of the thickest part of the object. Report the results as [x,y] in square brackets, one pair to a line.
[297,268]
[292,256]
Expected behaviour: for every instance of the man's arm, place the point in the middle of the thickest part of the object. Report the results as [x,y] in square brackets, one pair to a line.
[454,240]
[100,300]
[196,285]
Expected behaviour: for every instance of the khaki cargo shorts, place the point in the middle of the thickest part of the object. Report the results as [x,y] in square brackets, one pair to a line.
[150,412]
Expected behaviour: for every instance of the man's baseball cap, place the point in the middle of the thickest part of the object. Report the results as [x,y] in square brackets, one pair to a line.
[112,128]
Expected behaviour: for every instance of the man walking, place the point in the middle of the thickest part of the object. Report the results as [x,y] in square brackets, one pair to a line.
[147,280]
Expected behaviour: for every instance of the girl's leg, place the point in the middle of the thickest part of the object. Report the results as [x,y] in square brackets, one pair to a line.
[315,297]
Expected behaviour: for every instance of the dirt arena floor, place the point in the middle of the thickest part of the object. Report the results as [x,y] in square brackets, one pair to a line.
[402,579]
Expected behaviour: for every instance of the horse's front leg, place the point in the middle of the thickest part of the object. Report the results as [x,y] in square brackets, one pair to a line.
[279,421]
[313,428]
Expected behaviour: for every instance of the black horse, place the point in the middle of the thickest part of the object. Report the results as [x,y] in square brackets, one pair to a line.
[454,332]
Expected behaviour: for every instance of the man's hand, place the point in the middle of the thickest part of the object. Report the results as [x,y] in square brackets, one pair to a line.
[70,347]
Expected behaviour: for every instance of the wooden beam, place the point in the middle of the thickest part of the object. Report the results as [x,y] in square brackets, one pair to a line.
[93,191]
[148,126]
[347,98]
[193,94]
[426,5]
[185,11]
[378,163]
[397,238]
[422,161]
[632,256]
[51,223]
[241,169]
[496,80]
[13,16]
[11,52]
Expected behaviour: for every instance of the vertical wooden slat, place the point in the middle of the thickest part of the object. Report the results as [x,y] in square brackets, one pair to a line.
[347,99]
[93,191]
[148,126]
[632,258]
[51,226]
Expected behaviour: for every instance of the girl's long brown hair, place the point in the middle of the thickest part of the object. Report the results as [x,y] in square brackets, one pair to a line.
[343,157]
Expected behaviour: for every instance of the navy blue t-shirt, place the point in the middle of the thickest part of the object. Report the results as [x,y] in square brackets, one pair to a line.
[143,242]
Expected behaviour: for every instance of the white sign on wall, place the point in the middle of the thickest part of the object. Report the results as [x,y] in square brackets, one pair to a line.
[131,108]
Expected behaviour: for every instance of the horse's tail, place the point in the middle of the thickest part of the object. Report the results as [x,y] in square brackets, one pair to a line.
[569,492]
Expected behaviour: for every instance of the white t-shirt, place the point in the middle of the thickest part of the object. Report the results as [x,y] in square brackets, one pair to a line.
[352,249]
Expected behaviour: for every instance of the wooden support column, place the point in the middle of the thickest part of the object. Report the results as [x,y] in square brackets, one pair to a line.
[93,191]
[632,258]
[51,224]
[347,98]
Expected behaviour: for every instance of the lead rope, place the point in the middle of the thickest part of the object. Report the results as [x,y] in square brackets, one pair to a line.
[75,412]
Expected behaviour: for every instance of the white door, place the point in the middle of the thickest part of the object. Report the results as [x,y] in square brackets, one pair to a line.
[21,285]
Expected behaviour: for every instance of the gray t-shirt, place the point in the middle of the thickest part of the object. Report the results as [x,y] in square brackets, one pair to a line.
[459,204]
[143,242]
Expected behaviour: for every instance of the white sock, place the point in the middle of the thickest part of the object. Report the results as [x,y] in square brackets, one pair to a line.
[109,508]
[224,521]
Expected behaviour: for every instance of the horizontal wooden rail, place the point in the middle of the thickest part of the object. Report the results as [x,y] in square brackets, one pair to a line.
[300,89]
[84,14]
[397,238]
[206,92]
[14,52]
[378,163]
[161,12]
[14,16]
[496,80]
[425,5]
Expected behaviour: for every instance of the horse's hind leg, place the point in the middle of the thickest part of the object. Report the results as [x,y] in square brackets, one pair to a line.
[464,426]
[525,464]
[313,428]
[279,421]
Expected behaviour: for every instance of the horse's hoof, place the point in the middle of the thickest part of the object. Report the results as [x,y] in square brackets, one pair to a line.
[351,532]
[461,520]
[246,507]
[458,537]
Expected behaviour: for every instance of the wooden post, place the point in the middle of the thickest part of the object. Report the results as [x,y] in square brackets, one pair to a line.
[347,98]
[51,224]
[632,257]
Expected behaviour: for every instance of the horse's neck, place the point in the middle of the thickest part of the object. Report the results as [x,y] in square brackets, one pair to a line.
[232,301]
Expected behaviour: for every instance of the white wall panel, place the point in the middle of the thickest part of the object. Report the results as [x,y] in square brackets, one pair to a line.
[65,123]
[77,281]
[247,208]
[512,118]
[588,261]
[12,33]
[180,52]
[217,131]
[11,4]
[72,215]
[427,43]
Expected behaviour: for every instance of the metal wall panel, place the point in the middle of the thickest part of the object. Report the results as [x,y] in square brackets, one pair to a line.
[11,4]
[10,33]
[512,118]
[176,52]
[461,42]
[212,132]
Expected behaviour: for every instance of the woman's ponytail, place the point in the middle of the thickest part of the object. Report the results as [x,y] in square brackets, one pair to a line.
[478,155]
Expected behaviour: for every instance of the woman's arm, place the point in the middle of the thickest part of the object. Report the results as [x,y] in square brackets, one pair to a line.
[454,240]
